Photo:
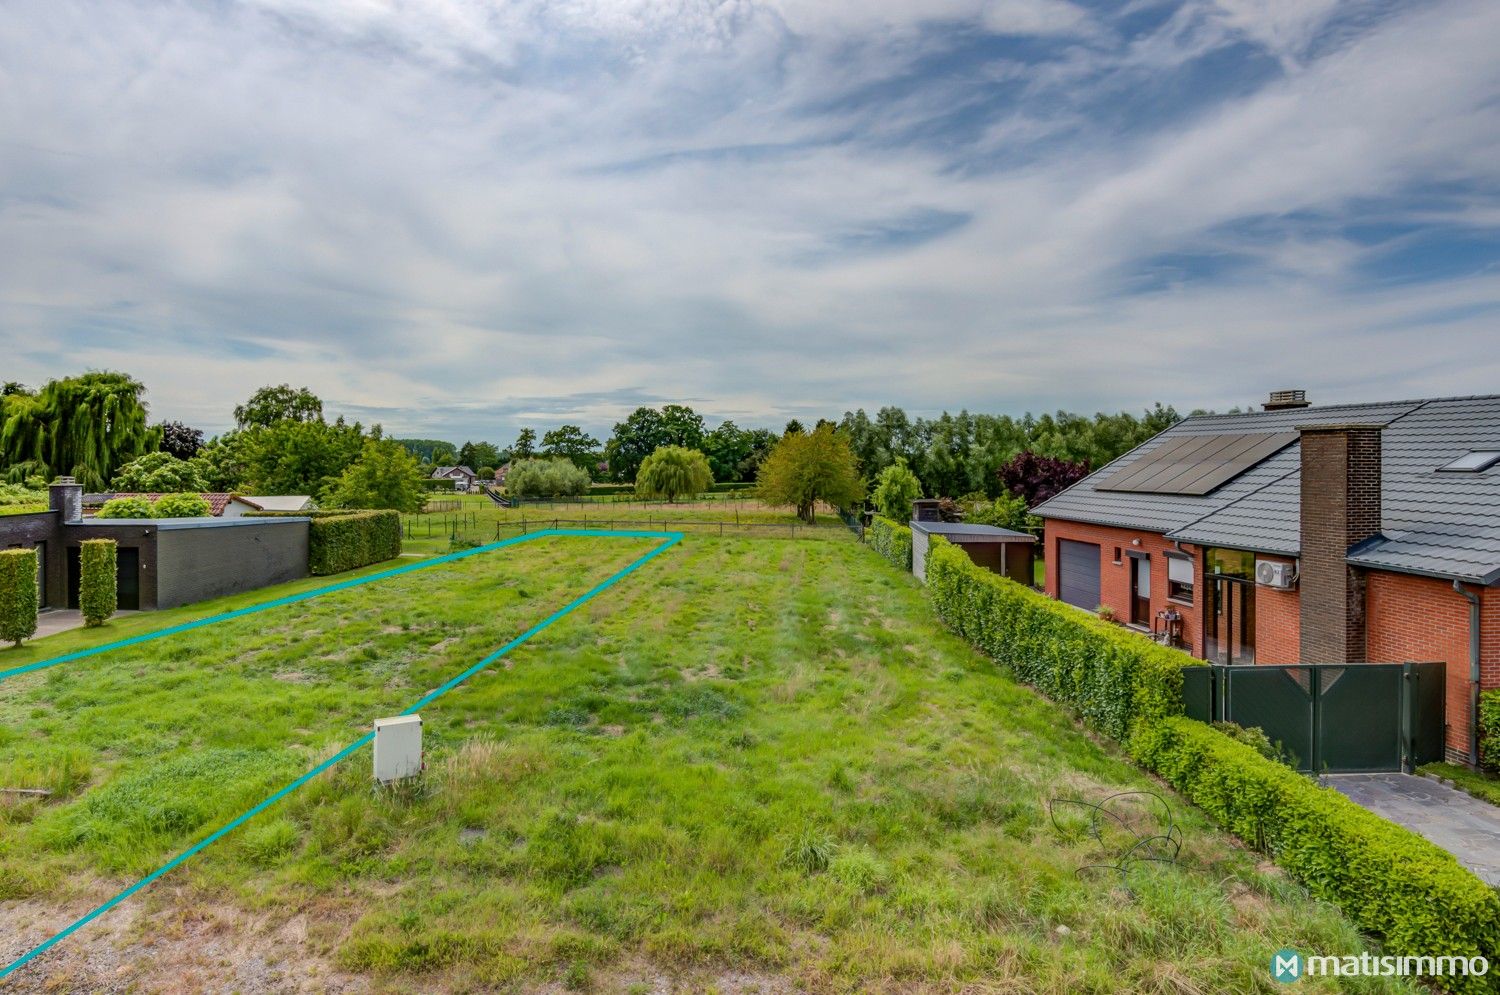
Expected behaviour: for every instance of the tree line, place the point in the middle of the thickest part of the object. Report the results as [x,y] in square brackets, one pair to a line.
[95,428]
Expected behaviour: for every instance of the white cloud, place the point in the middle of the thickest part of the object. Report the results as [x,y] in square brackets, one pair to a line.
[468,207]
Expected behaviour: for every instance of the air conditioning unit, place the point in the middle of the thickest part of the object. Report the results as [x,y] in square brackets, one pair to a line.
[1278,575]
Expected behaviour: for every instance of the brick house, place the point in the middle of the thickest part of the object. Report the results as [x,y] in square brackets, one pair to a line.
[1299,534]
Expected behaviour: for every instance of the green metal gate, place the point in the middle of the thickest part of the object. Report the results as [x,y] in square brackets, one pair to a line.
[1338,718]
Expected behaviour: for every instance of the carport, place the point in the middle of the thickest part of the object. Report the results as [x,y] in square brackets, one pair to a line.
[1003,551]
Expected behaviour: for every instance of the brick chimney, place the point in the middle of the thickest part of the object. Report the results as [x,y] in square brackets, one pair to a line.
[66,495]
[1340,508]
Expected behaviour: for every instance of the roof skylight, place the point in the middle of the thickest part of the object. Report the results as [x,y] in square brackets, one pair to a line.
[1474,462]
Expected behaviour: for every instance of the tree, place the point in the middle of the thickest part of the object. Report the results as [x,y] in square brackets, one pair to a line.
[86,426]
[98,594]
[573,444]
[127,507]
[476,454]
[485,473]
[1035,478]
[181,506]
[180,440]
[793,427]
[270,405]
[673,471]
[18,594]
[525,446]
[434,451]
[546,478]
[159,473]
[222,464]
[762,441]
[300,457]
[384,476]
[727,447]
[646,431]
[898,487]
[806,468]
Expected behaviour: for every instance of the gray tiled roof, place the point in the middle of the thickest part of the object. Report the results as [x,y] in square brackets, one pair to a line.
[1443,524]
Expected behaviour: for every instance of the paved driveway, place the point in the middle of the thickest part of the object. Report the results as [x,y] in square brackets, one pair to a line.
[1458,822]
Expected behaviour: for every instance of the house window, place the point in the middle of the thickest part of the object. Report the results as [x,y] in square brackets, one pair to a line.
[1117,555]
[1179,578]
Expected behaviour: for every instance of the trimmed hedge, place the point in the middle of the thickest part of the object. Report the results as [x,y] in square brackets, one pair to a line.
[1112,677]
[891,540]
[1388,880]
[336,543]
[1489,730]
[19,599]
[98,596]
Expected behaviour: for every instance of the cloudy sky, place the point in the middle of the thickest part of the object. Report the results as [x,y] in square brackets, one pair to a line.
[461,216]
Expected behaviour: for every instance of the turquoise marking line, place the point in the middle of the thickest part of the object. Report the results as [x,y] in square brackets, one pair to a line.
[319,592]
[672,539]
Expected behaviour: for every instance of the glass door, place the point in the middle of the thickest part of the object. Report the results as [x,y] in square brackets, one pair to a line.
[1140,590]
[1230,636]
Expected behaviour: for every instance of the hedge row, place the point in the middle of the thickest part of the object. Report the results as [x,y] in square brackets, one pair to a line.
[345,540]
[18,594]
[891,540]
[1114,678]
[1387,880]
[98,594]
[1489,730]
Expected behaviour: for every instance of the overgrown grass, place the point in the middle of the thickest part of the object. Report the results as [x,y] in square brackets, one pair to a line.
[754,756]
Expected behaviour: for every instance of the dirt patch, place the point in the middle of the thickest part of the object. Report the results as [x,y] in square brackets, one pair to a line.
[175,942]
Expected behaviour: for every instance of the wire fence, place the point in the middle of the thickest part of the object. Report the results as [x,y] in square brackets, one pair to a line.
[468,528]
[739,498]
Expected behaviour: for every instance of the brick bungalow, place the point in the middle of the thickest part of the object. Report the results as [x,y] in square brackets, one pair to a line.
[1298,534]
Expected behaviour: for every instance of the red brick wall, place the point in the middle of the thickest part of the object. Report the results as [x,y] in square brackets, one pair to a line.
[1278,622]
[1420,619]
[1114,580]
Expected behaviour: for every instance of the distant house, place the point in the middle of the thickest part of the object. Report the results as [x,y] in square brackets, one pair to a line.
[500,473]
[463,478]
[244,504]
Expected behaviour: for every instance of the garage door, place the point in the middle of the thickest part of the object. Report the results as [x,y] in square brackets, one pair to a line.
[1078,573]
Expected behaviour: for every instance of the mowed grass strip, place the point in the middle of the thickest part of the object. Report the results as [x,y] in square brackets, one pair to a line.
[147,747]
[756,759]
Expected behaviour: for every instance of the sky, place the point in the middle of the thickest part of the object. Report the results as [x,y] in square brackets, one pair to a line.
[458,218]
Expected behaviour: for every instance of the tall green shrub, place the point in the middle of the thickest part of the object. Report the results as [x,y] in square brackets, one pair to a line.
[1489,730]
[891,541]
[895,490]
[181,506]
[1388,880]
[97,580]
[1112,677]
[127,507]
[18,595]
[672,472]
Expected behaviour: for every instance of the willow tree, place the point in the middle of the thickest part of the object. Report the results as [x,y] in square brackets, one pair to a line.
[87,426]
[673,471]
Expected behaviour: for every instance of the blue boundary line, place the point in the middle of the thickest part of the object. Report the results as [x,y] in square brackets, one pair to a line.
[672,539]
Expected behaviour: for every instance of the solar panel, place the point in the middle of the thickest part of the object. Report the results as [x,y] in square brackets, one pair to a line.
[1196,464]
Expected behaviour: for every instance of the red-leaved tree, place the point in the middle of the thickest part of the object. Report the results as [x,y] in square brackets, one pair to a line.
[1036,478]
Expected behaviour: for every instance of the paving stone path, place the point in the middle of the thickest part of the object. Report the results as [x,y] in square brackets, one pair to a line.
[1458,822]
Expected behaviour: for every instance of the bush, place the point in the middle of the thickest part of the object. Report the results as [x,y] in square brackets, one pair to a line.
[339,542]
[1114,678]
[97,580]
[891,541]
[181,506]
[1387,880]
[18,594]
[896,489]
[16,495]
[430,484]
[158,473]
[128,507]
[1489,730]
[546,478]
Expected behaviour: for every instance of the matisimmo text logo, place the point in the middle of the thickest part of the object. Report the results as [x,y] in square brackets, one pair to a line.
[1287,965]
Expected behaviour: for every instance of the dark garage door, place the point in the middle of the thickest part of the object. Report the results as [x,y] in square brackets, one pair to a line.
[1078,573]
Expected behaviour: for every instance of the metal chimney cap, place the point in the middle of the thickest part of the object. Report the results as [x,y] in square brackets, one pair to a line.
[1287,398]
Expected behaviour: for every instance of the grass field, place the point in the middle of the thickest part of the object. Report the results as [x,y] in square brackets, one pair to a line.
[754,765]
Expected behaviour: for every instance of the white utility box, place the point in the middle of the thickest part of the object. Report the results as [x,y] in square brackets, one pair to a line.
[398,748]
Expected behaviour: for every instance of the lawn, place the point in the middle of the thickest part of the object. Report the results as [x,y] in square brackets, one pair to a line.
[754,765]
